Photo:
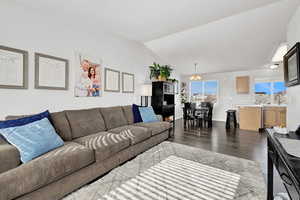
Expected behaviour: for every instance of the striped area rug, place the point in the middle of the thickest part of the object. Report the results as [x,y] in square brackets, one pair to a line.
[177,178]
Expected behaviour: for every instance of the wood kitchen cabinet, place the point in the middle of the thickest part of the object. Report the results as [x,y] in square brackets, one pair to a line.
[242,84]
[250,118]
[274,116]
[256,117]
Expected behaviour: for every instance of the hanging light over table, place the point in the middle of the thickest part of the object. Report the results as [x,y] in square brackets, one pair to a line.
[195,76]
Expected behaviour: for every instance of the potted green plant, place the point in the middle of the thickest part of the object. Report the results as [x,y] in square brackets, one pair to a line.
[154,71]
[165,72]
[160,72]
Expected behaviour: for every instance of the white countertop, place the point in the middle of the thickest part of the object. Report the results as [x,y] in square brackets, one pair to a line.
[261,106]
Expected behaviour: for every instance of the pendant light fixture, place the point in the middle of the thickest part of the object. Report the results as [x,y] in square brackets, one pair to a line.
[195,76]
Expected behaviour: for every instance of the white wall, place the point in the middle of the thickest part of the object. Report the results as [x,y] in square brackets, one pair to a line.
[227,96]
[293,36]
[29,30]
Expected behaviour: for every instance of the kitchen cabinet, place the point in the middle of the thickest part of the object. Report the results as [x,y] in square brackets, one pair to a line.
[250,118]
[242,84]
[274,116]
[255,117]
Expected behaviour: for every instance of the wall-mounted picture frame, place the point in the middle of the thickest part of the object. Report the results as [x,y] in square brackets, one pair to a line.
[51,73]
[13,68]
[291,63]
[127,82]
[88,76]
[111,80]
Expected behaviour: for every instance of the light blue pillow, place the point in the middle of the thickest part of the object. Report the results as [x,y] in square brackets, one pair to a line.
[147,114]
[34,139]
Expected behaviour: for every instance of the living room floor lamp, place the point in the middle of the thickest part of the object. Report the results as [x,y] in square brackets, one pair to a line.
[146,92]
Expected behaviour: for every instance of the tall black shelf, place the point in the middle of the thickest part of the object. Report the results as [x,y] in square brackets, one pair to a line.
[163,99]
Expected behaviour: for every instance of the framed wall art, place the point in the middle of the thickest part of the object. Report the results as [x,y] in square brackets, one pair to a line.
[88,76]
[111,80]
[51,73]
[13,68]
[127,82]
[291,63]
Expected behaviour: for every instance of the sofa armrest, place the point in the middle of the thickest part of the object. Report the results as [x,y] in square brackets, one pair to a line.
[159,117]
[9,156]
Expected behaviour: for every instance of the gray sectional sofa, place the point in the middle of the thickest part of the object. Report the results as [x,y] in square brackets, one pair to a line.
[96,141]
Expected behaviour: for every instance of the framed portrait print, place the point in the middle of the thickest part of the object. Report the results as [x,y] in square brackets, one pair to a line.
[127,82]
[291,63]
[51,73]
[88,76]
[111,80]
[13,68]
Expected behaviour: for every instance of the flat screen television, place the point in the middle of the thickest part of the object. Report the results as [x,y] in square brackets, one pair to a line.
[291,63]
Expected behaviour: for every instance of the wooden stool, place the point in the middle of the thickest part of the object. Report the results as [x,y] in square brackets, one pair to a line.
[231,119]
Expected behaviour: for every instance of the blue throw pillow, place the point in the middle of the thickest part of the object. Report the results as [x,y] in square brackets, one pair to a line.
[147,114]
[136,114]
[34,139]
[24,120]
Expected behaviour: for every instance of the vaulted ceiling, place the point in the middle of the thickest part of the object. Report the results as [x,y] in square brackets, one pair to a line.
[242,41]
[220,35]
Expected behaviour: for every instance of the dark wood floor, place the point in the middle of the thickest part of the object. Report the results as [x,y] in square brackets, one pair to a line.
[244,144]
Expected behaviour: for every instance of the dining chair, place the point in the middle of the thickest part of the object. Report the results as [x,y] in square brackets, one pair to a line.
[189,114]
[209,114]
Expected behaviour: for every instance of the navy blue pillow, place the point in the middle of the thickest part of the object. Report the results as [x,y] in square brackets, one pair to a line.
[24,121]
[136,114]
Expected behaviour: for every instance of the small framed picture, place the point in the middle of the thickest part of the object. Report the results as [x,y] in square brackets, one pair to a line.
[51,73]
[127,82]
[111,80]
[13,68]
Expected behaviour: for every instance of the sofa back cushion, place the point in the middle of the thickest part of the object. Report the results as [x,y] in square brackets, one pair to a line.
[61,124]
[9,156]
[113,117]
[85,122]
[128,114]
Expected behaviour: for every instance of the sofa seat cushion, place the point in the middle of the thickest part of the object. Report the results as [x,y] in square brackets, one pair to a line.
[136,134]
[104,144]
[85,122]
[155,127]
[45,169]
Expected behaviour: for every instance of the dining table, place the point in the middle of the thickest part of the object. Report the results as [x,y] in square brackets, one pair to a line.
[198,115]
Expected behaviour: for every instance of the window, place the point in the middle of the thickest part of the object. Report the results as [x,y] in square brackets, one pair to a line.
[270,93]
[204,91]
